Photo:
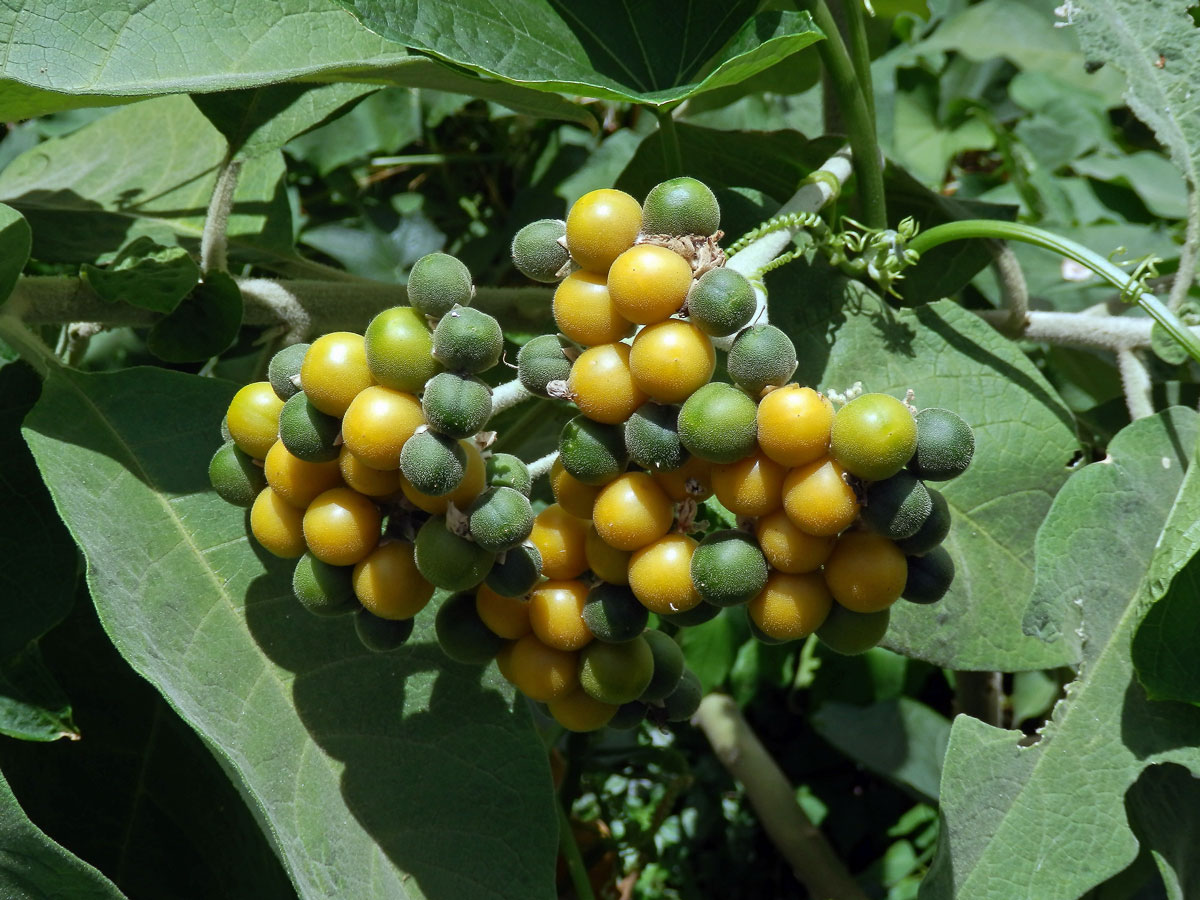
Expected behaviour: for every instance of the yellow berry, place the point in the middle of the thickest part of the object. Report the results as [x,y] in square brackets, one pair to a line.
[794,423]
[570,493]
[606,561]
[671,360]
[296,481]
[377,424]
[660,575]
[561,538]
[277,525]
[790,607]
[602,385]
[507,617]
[649,283]
[602,225]
[866,572]
[585,313]
[789,549]
[751,486]
[334,371]
[818,499]
[253,418]
[556,614]
[365,479]
[540,672]
[387,583]
[631,511]
[579,711]
[341,527]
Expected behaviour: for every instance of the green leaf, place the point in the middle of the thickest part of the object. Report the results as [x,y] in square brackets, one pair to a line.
[1014,817]
[382,123]
[1164,810]
[147,169]
[16,240]
[203,325]
[1153,179]
[140,797]
[260,120]
[901,739]
[710,649]
[145,274]
[1132,36]
[1033,694]
[924,143]
[32,865]
[32,705]
[1024,440]
[653,53]
[944,270]
[1163,644]
[323,738]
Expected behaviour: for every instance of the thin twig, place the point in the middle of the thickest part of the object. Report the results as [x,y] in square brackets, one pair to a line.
[979,695]
[774,800]
[541,466]
[507,395]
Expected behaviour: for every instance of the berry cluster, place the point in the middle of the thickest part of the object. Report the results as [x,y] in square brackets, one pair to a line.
[363,457]
[835,521]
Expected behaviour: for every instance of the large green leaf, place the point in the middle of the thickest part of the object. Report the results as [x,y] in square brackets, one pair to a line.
[15,244]
[1164,810]
[1024,441]
[38,566]
[1049,820]
[147,169]
[1164,645]
[1156,45]
[139,796]
[32,865]
[657,52]
[376,776]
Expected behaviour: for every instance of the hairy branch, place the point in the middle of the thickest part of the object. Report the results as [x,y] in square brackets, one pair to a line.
[774,800]
[214,240]
[1135,381]
[1115,333]
[541,465]
[1013,289]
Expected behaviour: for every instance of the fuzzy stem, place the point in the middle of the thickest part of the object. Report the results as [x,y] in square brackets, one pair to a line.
[1135,381]
[507,395]
[214,240]
[1013,289]
[801,843]
[31,348]
[1187,254]
[860,51]
[1016,231]
[541,466]
[854,108]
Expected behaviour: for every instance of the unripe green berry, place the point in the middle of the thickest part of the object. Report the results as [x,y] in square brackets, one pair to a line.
[616,673]
[668,665]
[728,568]
[897,507]
[652,436]
[308,433]
[679,206]
[697,615]
[929,576]
[399,349]
[932,531]
[456,405]
[500,519]
[592,452]
[718,423]
[945,445]
[681,704]
[447,560]
[613,614]
[541,361]
[628,716]
[467,340]
[761,356]
[519,571]
[851,633]
[283,367]
[536,251]
[506,470]
[721,302]
[433,463]
[437,283]
[462,635]
[382,635]
[322,589]
[235,476]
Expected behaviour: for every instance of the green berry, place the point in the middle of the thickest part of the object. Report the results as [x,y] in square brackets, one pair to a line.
[721,302]
[235,476]
[932,531]
[437,283]
[668,665]
[681,206]
[929,576]
[433,463]
[592,452]
[536,251]
[467,340]
[308,433]
[382,635]
[541,361]
[506,470]
[945,445]
[462,634]
[897,507]
[500,519]
[629,716]
[616,673]
[718,423]
[448,561]
[761,356]
[681,704]
[697,615]
[652,436]
[728,568]
[399,349]
[322,589]
[850,633]
[456,405]
[283,367]
[873,436]
[613,614]
[226,434]
[761,636]
[518,573]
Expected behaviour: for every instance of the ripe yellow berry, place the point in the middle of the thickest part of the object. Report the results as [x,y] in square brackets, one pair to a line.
[341,527]
[602,385]
[364,479]
[540,672]
[585,313]
[334,371]
[507,617]
[631,511]
[277,525]
[649,283]
[579,711]
[818,499]
[253,418]
[296,481]
[790,607]
[561,538]
[660,575]
[387,583]
[691,480]
[789,549]
[602,225]
[570,493]
[794,423]
[866,572]
[671,360]
[377,424]
[556,614]
[751,486]
[606,561]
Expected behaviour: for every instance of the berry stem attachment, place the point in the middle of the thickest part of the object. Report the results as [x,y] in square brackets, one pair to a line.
[672,156]
[214,241]
[541,466]
[507,395]
[1131,288]
[801,843]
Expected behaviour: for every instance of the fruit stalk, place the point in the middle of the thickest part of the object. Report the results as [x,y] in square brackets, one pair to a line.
[214,239]
[804,847]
